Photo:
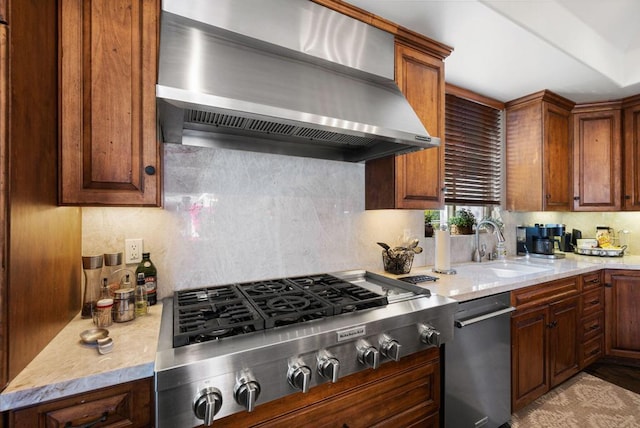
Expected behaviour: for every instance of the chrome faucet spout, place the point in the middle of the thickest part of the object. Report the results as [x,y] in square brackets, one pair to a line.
[478,254]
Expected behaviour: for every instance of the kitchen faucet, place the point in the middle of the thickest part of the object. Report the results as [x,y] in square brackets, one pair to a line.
[478,254]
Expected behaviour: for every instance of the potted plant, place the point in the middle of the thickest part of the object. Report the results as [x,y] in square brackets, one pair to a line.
[462,223]
[429,216]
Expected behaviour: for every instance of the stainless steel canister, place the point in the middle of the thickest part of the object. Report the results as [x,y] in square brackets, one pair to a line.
[124,305]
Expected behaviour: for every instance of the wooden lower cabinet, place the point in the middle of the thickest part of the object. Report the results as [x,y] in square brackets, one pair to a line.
[544,338]
[398,394]
[125,405]
[591,327]
[622,313]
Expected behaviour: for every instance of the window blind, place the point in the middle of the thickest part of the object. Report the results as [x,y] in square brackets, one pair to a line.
[472,152]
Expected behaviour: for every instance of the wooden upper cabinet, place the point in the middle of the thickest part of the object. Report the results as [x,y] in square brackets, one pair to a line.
[597,162]
[631,143]
[414,180]
[108,146]
[3,10]
[538,153]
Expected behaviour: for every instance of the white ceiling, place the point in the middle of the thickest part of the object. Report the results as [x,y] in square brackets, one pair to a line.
[584,50]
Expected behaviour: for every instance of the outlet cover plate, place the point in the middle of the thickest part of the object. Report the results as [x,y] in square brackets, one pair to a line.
[133,250]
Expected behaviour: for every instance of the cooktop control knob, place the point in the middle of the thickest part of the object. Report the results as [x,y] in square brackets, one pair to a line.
[206,404]
[390,348]
[369,355]
[329,368]
[429,335]
[299,377]
[246,392]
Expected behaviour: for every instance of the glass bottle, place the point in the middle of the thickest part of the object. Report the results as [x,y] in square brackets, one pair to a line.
[147,268]
[102,316]
[92,269]
[141,296]
[114,271]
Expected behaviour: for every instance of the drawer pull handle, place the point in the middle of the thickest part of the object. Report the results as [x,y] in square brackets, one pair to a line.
[102,418]
[594,327]
[594,281]
[594,302]
[594,352]
[552,324]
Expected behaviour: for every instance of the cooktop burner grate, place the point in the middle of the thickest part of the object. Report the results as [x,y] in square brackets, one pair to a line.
[343,295]
[217,312]
[291,307]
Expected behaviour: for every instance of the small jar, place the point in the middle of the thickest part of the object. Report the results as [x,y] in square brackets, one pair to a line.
[103,317]
[124,305]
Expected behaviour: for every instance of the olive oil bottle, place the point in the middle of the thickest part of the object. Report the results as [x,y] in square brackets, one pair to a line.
[147,268]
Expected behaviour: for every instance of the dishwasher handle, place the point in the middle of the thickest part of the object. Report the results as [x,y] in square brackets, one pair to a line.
[467,322]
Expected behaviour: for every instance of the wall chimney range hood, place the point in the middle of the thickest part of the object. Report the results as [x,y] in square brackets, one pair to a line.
[281,76]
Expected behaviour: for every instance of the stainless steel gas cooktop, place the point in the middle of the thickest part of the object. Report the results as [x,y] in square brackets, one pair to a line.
[227,349]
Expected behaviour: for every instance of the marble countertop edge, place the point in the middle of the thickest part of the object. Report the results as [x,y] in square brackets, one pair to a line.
[17,399]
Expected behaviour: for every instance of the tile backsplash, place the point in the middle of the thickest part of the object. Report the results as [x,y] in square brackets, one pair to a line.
[239,216]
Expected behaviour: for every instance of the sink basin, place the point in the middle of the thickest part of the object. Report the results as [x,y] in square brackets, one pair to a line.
[504,269]
[513,270]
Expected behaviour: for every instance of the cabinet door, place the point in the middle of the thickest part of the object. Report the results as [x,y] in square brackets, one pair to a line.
[631,199]
[109,152]
[622,315]
[415,180]
[563,340]
[597,160]
[557,154]
[538,153]
[529,354]
[420,175]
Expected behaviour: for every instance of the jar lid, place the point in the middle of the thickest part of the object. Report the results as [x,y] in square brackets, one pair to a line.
[104,303]
[123,292]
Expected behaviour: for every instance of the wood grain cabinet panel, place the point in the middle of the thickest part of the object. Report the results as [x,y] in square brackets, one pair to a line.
[529,356]
[597,157]
[544,338]
[622,313]
[3,10]
[414,180]
[108,146]
[538,153]
[631,137]
[125,405]
[563,340]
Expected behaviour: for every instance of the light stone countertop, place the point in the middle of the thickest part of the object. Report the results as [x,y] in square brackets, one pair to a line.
[67,366]
[475,280]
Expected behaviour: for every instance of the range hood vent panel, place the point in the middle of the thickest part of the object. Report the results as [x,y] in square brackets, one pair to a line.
[217,81]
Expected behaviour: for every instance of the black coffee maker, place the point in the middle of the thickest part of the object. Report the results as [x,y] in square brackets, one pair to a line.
[539,240]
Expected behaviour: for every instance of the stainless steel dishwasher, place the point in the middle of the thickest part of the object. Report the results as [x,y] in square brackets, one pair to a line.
[477,365]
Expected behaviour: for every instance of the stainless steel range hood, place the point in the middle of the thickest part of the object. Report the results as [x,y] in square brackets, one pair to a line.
[281,76]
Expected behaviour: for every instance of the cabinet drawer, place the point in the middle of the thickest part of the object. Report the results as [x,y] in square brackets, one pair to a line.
[592,302]
[591,350]
[125,405]
[591,281]
[591,326]
[545,293]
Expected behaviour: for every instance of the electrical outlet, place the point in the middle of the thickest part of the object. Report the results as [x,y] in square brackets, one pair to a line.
[133,250]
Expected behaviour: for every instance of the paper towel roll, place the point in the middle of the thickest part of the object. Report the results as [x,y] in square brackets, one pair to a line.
[443,250]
